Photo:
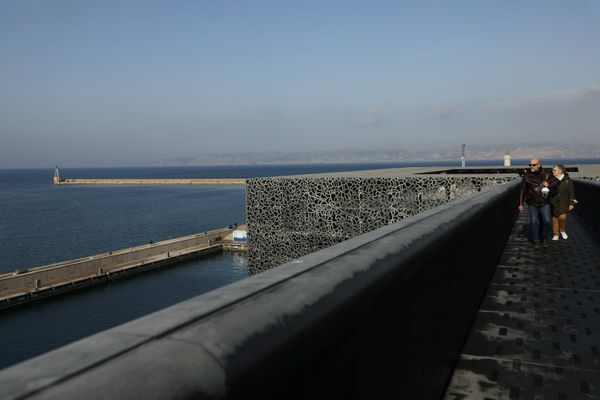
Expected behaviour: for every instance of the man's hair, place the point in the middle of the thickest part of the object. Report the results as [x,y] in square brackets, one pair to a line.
[560,166]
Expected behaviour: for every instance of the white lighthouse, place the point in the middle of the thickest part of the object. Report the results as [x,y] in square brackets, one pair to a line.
[56,176]
[507,159]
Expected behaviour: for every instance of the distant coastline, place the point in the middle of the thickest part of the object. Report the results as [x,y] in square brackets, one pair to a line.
[408,163]
[474,153]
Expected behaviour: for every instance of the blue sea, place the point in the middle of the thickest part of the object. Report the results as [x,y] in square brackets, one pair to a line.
[41,223]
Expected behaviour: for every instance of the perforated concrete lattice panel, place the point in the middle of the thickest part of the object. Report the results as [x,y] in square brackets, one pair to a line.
[291,217]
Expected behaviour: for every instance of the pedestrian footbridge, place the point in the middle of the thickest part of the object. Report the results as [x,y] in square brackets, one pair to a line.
[536,334]
[450,303]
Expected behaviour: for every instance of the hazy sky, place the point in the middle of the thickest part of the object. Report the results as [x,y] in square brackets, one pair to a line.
[129,82]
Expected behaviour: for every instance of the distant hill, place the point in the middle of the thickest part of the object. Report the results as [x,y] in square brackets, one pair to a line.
[474,152]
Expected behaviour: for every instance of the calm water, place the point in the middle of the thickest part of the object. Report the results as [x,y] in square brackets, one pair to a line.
[41,223]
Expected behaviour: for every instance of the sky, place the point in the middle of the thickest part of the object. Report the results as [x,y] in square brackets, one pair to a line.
[107,83]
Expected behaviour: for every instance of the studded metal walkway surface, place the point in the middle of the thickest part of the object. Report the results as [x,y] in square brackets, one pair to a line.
[537,333]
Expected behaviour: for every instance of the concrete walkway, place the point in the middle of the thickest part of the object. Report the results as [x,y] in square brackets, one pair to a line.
[537,333]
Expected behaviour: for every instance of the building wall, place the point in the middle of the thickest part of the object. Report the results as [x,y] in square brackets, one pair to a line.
[294,216]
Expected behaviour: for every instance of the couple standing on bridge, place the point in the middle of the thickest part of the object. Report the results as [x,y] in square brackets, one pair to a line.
[549,195]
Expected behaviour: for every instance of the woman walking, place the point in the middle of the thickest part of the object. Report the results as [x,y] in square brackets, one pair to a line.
[562,200]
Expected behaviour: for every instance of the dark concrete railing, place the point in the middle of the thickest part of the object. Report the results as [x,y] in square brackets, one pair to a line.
[382,315]
[587,193]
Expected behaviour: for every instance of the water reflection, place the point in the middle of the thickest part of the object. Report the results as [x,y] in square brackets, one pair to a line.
[240,261]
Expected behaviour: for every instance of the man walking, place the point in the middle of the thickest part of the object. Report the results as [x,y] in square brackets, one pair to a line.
[534,191]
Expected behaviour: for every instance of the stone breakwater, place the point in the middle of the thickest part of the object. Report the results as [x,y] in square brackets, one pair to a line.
[23,286]
[186,181]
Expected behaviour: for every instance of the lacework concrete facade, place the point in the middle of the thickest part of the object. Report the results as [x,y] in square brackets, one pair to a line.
[291,217]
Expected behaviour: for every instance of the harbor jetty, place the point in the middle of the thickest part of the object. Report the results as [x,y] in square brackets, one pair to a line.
[58,180]
[26,285]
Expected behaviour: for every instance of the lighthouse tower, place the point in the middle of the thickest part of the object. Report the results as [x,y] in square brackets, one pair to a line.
[507,159]
[56,176]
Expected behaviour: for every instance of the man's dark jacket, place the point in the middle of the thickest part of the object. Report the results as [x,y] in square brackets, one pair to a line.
[532,184]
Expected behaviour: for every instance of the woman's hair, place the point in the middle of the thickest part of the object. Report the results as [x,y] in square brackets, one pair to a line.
[559,166]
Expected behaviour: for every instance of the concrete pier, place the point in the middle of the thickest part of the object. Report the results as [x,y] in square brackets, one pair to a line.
[186,181]
[24,286]
[142,181]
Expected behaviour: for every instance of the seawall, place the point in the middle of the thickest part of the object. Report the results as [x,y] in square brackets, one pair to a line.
[186,181]
[23,286]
